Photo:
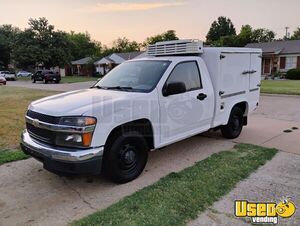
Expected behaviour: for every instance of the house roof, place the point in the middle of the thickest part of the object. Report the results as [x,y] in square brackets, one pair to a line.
[129,56]
[104,60]
[118,58]
[278,47]
[82,61]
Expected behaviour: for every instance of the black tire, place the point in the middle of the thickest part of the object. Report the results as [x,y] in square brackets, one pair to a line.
[33,81]
[57,81]
[235,124]
[126,157]
[46,81]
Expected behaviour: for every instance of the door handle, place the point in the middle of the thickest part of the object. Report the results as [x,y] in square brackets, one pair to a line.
[258,85]
[252,72]
[201,96]
[245,72]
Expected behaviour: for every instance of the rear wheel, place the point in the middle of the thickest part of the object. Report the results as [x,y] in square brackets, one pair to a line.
[33,81]
[46,81]
[57,81]
[235,124]
[125,159]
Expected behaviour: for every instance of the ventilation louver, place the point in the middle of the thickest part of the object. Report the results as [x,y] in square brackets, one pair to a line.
[179,47]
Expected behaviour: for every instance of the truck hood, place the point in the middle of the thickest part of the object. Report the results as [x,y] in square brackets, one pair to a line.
[79,102]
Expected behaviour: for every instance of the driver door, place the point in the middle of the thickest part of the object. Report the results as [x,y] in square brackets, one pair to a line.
[185,114]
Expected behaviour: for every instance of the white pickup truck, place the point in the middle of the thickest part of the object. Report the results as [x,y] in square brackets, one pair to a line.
[179,90]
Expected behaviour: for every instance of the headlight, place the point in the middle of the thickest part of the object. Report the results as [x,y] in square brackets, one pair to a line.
[74,139]
[78,121]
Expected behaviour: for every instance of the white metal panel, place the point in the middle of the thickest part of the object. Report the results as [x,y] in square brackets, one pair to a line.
[254,80]
[255,71]
[234,73]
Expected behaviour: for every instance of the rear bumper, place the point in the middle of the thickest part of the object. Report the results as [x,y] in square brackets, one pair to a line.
[54,159]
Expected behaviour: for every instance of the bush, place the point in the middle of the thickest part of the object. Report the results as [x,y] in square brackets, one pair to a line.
[293,74]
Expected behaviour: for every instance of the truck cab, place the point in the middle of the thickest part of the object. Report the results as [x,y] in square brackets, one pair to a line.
[179,90]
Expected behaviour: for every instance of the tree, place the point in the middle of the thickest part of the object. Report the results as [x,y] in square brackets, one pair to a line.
[166,36]
[220,28]
[245,36]
[25,50]
[41,44]
[125,45]
[296,34]
[7,36]
[262,35]
[82,45]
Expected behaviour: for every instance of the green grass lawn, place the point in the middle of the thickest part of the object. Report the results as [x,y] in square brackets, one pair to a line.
[290,87]
[67,79]
[11,155]
[14,102]
[180,197]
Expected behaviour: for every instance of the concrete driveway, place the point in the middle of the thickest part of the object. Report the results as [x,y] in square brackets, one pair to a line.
[30,195]
[276,123]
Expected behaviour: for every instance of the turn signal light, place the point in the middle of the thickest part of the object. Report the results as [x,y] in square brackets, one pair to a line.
[87,139]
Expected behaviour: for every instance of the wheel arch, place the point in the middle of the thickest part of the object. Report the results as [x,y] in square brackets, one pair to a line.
[143,126]
[244,105]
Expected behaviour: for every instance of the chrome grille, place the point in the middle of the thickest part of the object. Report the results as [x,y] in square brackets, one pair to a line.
[42,135]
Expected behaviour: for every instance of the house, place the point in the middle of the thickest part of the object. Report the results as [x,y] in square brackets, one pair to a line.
[278,56]
[107,63]
[83,66]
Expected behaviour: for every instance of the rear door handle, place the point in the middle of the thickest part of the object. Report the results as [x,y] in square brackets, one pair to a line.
[201,96]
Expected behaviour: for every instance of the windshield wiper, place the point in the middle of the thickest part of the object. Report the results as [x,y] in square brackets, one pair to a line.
[98,87]
[125,88]
[119,87]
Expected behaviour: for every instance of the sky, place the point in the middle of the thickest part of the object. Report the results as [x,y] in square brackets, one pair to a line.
[138,19]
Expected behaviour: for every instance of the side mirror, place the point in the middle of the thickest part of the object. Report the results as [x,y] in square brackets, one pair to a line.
[174,88]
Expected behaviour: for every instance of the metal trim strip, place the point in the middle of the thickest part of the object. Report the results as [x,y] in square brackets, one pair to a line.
[252,90]
[233,94]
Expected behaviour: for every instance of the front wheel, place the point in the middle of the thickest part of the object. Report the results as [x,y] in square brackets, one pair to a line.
[125,159]
[235,124]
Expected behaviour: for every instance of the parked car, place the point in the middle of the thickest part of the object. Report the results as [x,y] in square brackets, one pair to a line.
[24,74]
[46,76]
[2,80]
[180,90]
[8,75]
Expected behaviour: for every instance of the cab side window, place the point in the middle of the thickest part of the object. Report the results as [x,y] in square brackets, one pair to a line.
[188,73]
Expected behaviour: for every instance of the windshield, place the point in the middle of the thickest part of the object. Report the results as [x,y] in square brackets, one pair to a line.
[139,76]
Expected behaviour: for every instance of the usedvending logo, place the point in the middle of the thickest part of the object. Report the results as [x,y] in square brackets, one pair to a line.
[263,212]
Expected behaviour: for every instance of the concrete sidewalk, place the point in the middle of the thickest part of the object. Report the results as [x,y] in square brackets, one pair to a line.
[276,180]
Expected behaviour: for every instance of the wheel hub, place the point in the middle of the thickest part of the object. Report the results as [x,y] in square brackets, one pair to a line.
[129,156]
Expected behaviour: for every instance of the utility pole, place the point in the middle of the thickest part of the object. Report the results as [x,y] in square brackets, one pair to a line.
[286,32]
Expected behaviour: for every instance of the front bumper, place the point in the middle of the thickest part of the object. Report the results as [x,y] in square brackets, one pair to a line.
[65,160]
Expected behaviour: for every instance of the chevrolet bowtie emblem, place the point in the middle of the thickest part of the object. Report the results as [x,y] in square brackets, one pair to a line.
[35,122]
